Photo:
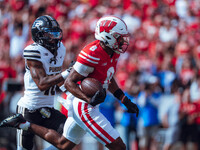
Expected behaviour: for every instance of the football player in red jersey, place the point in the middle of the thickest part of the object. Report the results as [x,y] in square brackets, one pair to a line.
[98,60]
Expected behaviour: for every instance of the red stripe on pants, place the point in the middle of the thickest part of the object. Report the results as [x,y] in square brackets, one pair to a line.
[86,123]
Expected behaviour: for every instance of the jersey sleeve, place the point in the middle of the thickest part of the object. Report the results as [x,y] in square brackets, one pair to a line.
[88,57]
[32,52]
[83,69]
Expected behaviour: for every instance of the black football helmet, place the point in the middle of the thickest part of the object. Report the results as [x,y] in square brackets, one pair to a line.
[46,32]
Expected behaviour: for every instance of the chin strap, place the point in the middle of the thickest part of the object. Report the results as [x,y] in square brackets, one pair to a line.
[116,52]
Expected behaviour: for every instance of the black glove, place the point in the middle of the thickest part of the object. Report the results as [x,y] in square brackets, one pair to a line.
[71,66]
[98,97]
[132,108]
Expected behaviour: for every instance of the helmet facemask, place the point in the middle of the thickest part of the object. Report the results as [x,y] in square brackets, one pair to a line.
[50,38]
[121,44]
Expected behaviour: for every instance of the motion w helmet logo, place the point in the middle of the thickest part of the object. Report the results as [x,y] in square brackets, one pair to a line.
[107,25]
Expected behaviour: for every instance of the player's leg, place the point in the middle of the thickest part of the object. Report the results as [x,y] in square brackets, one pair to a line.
[25,138]
[55,121]
[118,144]
[72,131]
[72,134]
[93,121]
[53,137]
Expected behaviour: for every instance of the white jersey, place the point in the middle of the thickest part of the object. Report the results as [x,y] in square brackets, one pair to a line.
[34,98]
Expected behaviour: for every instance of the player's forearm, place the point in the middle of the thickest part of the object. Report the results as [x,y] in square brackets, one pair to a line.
[113,86]
[73,88]
[44,81]
[49,81]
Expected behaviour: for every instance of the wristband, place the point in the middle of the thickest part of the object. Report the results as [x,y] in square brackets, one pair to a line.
[118,93]
[123,99]
[62,88]
[64,74]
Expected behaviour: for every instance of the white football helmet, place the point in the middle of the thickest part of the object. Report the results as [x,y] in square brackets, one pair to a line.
[113,32]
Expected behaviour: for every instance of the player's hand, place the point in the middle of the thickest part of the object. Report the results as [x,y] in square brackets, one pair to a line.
[65,73]
[71,66]
[132,108]
[98,97]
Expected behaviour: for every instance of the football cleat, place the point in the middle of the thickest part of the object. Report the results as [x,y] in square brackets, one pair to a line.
[13,121]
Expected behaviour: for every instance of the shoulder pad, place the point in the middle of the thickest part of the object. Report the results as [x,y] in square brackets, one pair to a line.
[32,52]
[88,57]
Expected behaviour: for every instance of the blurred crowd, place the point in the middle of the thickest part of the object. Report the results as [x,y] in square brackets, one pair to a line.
[160,70]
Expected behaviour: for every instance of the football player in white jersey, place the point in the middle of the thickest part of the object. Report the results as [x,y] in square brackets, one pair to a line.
[97,60]
[43,60]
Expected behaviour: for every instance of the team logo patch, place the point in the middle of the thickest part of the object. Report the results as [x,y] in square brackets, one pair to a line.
[53,59]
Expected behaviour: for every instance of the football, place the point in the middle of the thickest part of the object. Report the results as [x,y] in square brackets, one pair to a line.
[90,86]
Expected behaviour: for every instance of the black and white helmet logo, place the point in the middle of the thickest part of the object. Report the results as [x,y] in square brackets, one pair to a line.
[38,24]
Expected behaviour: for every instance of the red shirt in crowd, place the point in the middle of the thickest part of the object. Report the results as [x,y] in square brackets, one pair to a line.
[5,73]
[192,110]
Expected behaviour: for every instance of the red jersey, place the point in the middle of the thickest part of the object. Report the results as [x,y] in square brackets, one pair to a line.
[104,66]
